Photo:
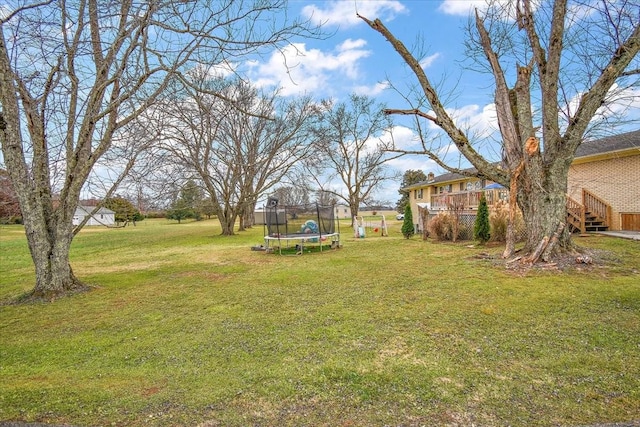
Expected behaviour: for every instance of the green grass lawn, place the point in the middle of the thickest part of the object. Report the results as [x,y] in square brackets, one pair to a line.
[187,327]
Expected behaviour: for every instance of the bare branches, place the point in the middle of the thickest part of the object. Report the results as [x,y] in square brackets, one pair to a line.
[412,112]
[19,10]
[84,70]
[594,97]
[442,118]
[505,108]
[630,73]
[240,144]
[352,146]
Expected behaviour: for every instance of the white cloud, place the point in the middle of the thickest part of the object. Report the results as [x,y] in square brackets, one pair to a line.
[374,90]
[479,122]
[404,138]
[621,105]
[223,69]
[343,13]
[461,7]
[414,162]
[298,70]
[350,44]
[429,60]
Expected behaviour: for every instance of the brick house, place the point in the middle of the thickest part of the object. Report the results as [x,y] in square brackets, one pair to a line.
[603,187]
[609,169]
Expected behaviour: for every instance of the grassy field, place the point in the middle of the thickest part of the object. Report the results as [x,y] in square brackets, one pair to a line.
[187,327]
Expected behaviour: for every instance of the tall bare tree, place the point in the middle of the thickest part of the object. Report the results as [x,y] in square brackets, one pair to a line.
[354,151]
[569,59]
[239,143]
[73,74]
[292,195]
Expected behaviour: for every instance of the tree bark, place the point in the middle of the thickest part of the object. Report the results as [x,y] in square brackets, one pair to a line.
[54,276]
[544,205]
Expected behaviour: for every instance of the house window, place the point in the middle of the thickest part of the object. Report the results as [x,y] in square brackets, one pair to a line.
[448,188]
[462,186]
[469,186]
[419,193]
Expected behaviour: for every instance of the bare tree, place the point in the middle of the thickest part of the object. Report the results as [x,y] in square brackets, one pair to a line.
[572,60]
[324,198]
[291,195]
[239,143]
[75,73]
[353,151]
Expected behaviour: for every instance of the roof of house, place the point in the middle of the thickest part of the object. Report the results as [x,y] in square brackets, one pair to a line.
[451,176]
[608,144]
[445,177]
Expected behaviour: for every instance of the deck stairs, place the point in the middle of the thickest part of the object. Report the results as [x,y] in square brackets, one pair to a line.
[592,215]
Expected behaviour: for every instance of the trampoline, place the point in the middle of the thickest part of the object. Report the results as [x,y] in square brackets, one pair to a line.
[300,227]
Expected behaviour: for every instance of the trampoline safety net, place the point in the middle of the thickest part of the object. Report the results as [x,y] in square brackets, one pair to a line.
[290,221]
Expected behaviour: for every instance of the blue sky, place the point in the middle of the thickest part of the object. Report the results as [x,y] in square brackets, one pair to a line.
[358,59]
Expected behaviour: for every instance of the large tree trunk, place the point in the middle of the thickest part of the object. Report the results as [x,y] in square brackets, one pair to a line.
[542,199]
[54,277]
[49,236]
[227,221]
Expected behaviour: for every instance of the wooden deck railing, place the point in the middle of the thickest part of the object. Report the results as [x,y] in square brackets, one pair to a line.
[576,211]
[597,206]
[468,199]
[576,215]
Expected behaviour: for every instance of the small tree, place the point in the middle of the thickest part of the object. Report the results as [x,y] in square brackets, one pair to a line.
[208,208]
[124,210]
[407,226]
[179,210]
[481,230]
[410,177]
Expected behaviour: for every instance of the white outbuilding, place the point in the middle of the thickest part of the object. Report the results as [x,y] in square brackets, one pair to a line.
[102,216]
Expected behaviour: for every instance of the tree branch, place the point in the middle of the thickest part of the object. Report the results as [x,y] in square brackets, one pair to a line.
[413,112]
[630,73]
[443,120]
[593,99]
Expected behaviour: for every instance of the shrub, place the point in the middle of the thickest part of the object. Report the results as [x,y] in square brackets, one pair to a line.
[498,220]
[442,226]
[407,226]
[481,230]
[155,214]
